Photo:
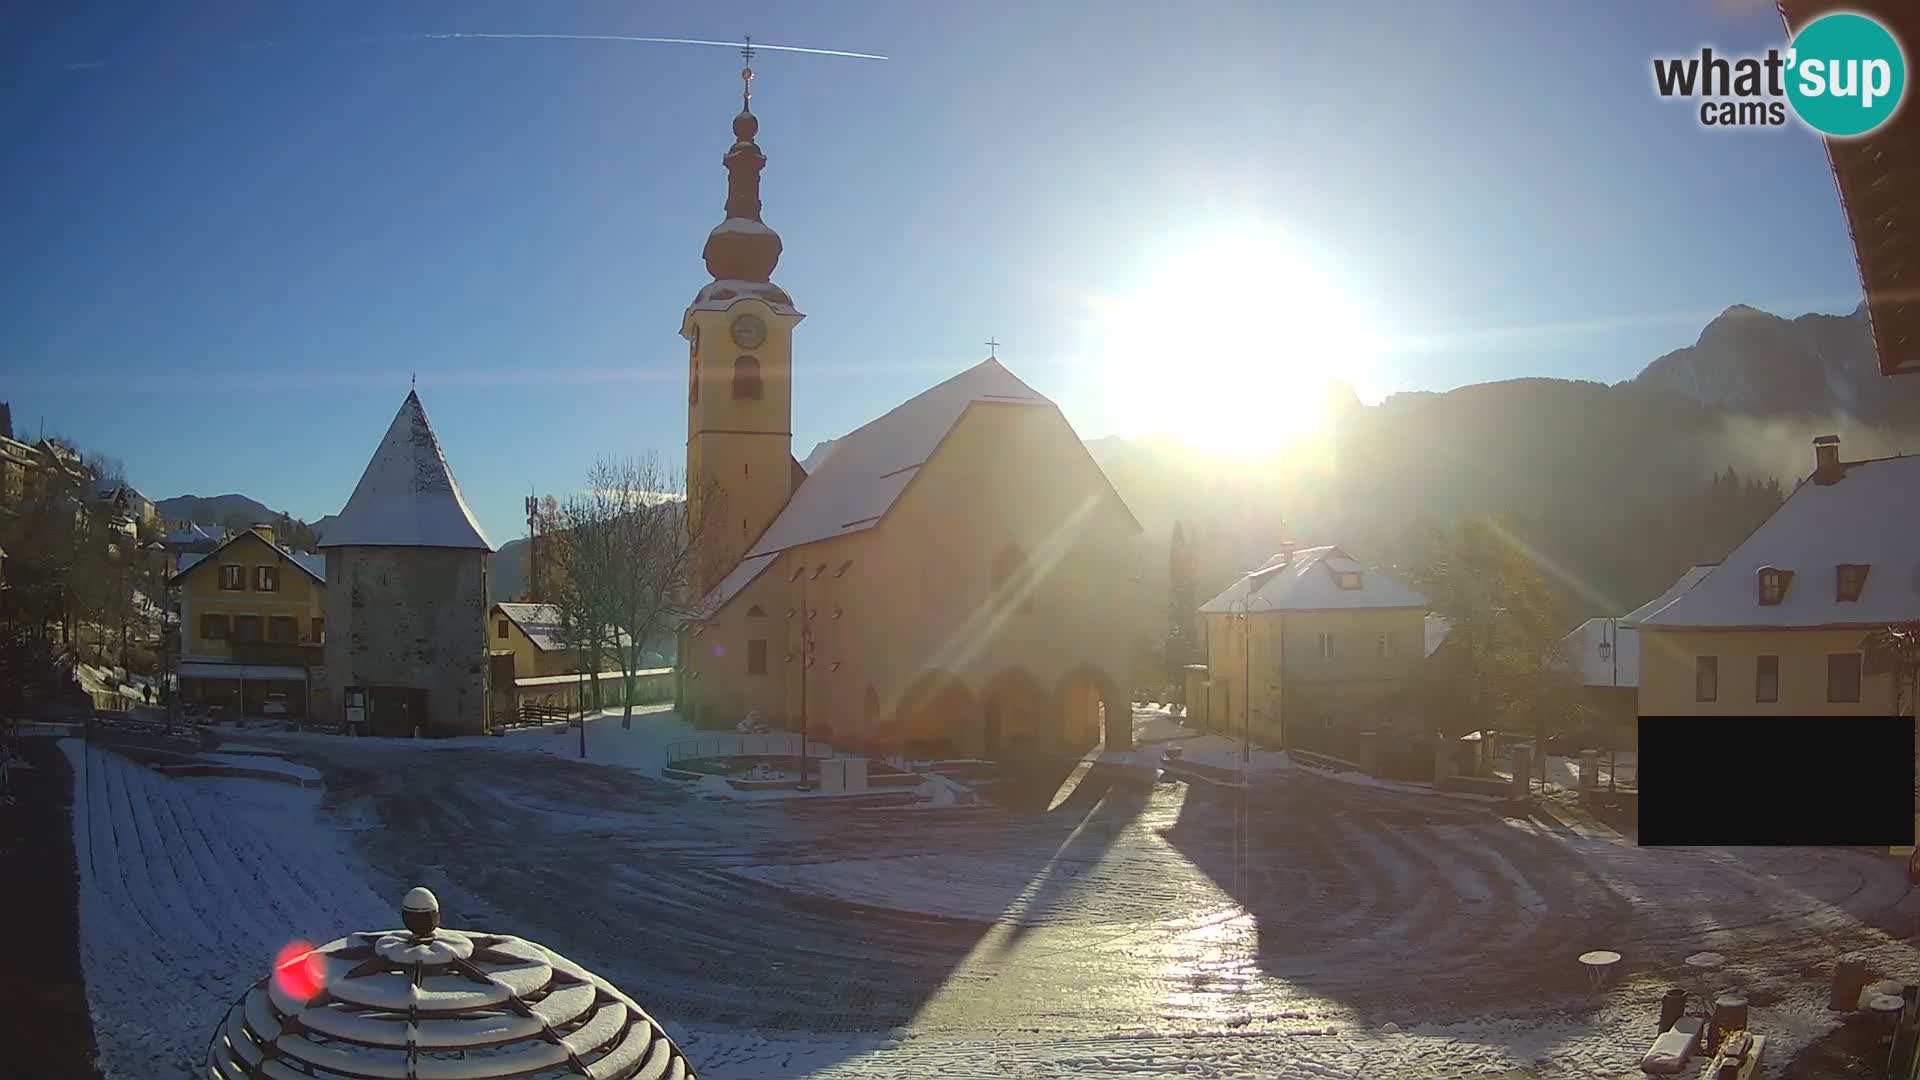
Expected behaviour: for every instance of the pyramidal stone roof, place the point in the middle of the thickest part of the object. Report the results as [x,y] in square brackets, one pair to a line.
[407,497]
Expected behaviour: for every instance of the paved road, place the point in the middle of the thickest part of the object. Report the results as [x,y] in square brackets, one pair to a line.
[1131,906]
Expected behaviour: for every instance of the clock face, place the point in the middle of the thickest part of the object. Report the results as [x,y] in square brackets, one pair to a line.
[749,332]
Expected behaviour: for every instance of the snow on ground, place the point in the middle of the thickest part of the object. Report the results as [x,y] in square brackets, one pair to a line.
[188,886]
[187,889]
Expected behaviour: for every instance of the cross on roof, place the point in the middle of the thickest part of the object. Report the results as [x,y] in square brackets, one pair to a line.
[993,349]
[746,74]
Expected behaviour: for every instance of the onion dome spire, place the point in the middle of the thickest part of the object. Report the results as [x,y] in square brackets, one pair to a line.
[743,248]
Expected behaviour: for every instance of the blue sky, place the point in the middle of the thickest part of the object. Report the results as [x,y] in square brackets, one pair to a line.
[234,230]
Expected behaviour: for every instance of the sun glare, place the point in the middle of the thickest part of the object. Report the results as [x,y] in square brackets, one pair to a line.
[1229,343]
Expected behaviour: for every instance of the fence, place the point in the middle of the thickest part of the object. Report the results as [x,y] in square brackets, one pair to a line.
[773,744]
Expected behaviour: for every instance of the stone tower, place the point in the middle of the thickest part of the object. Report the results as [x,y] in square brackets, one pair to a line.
[406,643]
[739,331]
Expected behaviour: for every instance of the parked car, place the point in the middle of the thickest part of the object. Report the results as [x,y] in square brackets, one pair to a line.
[276,705]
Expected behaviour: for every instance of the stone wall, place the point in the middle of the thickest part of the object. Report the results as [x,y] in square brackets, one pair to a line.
[410,617]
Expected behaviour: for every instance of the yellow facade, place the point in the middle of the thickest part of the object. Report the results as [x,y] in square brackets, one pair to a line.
[1312,671]
[529,660]
[212,615]
[1669,667]
[739,415]
[914,639]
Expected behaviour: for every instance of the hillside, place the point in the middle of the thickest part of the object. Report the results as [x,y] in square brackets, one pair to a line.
[1602,483]
[214,509]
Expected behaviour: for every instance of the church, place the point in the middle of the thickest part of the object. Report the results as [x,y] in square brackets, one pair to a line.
[953,578]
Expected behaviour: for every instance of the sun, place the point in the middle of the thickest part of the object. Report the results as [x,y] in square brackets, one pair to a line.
[1229,343]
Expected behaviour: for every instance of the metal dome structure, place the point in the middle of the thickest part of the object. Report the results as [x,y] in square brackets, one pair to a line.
[426,1003]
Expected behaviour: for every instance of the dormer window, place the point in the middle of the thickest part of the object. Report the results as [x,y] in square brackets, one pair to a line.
[1849,580]
[1773,584]
[756,612]
[1349,580]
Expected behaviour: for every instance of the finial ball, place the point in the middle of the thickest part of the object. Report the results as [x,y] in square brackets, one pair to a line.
[420,911]
[746,125]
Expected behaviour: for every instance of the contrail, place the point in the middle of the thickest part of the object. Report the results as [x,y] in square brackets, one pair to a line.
[642,40]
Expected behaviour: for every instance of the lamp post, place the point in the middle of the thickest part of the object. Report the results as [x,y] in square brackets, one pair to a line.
[1242,607]
[806,661]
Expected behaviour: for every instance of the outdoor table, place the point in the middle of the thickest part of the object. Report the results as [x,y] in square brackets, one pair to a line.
[1703,967]
[1598,963]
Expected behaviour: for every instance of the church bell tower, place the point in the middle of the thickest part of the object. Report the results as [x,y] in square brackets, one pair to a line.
[739,331]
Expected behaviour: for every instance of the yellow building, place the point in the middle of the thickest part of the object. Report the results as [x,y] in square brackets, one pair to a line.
[1779,625]
[951,577]
[1312,649]
[533,636]
[252,619]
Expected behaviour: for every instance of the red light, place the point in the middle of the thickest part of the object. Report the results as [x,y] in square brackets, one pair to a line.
[298,971]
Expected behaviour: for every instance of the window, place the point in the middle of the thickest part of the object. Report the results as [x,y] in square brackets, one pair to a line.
[757,656]
[1386,646]
[1849,579]
[693,381]
[746,378]
[233,578]
[1843,677]
[1766,678]
[500,630]
[266,578]
[246,628]
[213,627]
[283,628]
[1009,572]
[1706,678]
[1773,584]
[1349,580]
[756,612]
[319,629]
[1326,646]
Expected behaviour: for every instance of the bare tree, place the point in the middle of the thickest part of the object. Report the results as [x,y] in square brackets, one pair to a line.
[636,553]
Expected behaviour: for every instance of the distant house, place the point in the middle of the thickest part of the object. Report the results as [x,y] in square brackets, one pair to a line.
[532,653]
[538,641]
[252,620]
[1314,647]
[126,501]
[1780,625]
[1604,654]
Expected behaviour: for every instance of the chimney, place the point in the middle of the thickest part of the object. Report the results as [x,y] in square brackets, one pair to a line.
[265,532]
[1826,460]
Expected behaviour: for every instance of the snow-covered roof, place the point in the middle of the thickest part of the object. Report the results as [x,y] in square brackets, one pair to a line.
[542,625]
[726,292]
[407,497]
[191,534]
[868,469]
[1309,580]
[1685,582]
[428,1001]
[741,576]
[315,565]
[1582,654]
[1869,516]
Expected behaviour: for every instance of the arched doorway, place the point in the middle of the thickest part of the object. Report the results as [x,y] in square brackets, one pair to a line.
[936,717]
[1019,717]
[1093,712]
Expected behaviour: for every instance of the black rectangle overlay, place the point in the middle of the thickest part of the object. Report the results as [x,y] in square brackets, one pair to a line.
[1775,781]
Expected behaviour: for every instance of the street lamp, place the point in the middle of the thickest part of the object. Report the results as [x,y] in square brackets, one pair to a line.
[1241,608]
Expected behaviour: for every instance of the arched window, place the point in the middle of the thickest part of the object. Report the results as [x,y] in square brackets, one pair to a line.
[1009,579]
[756,612]
[746,378]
